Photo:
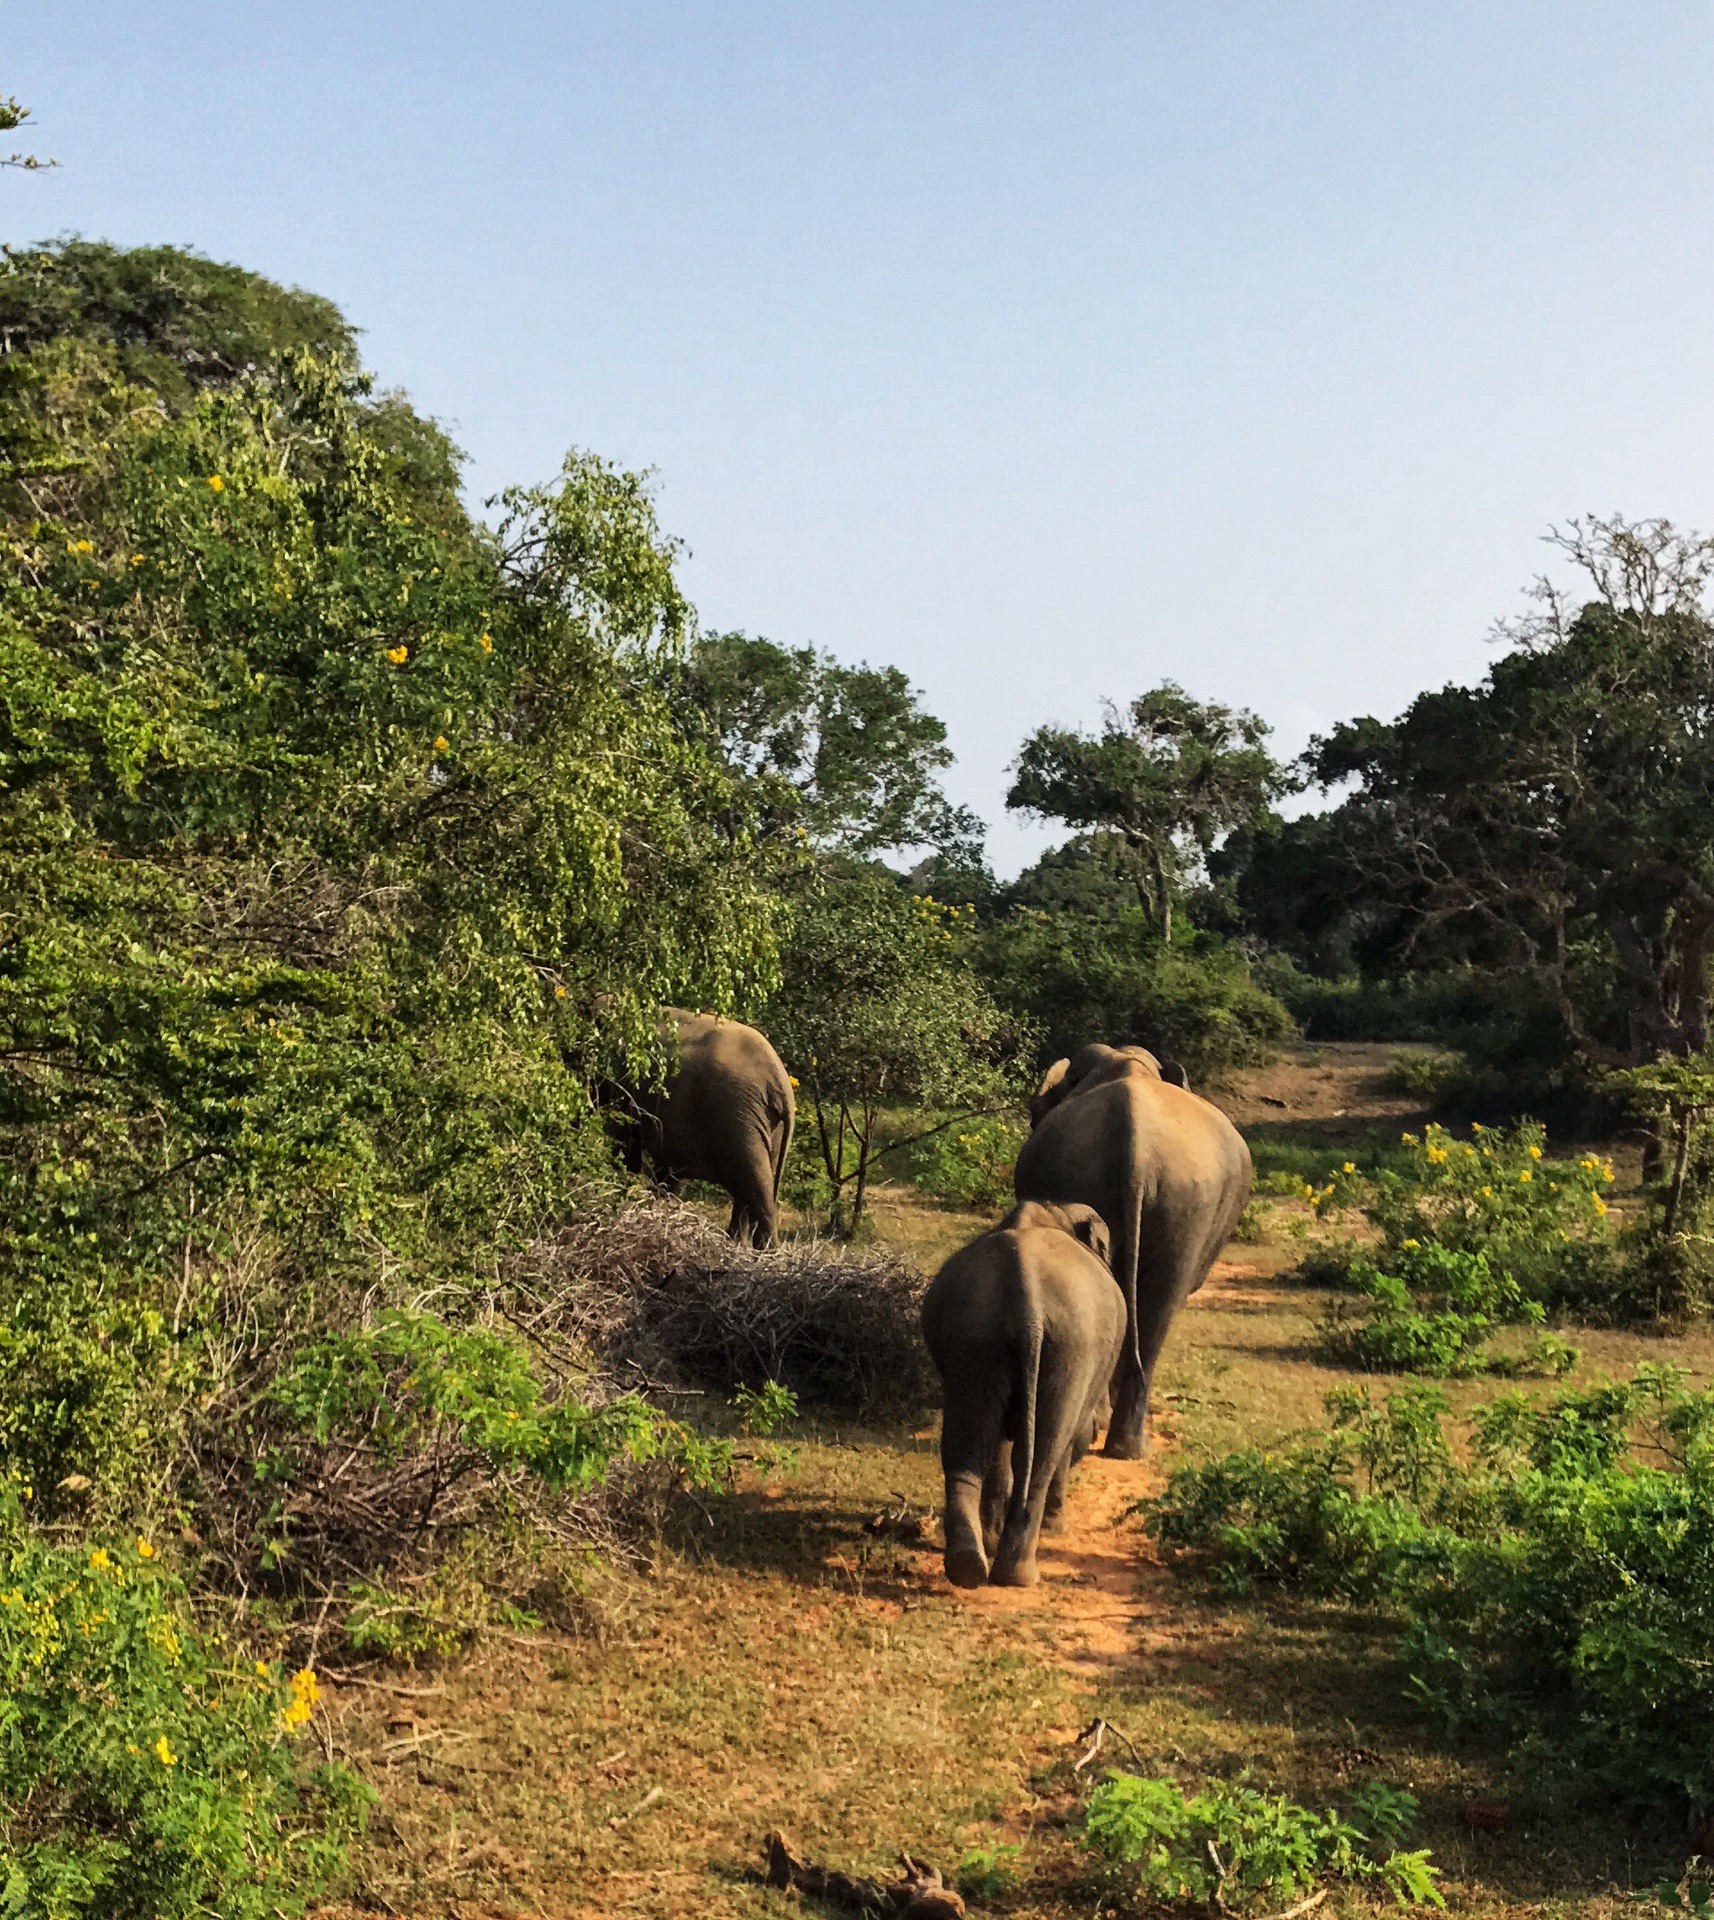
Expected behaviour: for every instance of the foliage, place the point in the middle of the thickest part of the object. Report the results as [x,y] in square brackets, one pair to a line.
[147,1769]
[1555,1585]
[844,756]
[1554,824]
[1171,776]
[763,1410]
[878,1003]
[13,116]
[966,1162]
[1077,978]
[342,840]
[987,1873]
[1230,1848]
[1475,1235]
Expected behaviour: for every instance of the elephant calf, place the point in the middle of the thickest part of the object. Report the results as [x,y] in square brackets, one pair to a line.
[1025,1325]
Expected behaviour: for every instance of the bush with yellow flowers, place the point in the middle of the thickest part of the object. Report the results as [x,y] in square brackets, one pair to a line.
[1496,1193]
[1475,1233]
[148,1768]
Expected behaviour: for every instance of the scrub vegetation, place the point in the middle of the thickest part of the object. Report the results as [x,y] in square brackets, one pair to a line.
[400,1507]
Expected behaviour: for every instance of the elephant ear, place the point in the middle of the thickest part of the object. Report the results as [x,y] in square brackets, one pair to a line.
[1173,1073]
[1088,1226]
[1049,1094]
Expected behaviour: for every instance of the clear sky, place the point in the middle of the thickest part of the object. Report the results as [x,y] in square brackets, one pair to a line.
[1044,350]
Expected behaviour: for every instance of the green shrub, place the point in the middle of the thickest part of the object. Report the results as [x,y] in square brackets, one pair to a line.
[1475,1234]
[1077,977]
[1231,1848]
[146,1769]
[968,1163]
[1428,1077]
[1433,1312]
[1557,1584]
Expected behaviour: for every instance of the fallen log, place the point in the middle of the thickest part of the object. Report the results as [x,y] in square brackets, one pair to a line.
[919,1894]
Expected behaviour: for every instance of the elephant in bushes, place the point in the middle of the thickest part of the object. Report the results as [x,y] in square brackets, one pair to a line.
[1025,1325]
[1168,1172]
[725,1115]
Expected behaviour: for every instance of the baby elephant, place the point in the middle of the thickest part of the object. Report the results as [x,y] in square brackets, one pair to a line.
[1026,1325]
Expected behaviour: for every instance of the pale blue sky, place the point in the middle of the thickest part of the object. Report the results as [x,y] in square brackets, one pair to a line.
[1044,351]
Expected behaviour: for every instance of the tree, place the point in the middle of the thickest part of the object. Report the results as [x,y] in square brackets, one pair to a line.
[877,1004]
[13,116]
[1073,977]
[1171,776]
[1556,822]
[326,825]
[846,754]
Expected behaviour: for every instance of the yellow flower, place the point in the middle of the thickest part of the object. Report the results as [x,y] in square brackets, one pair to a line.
[216,484]
[559,993]
[99,1560]
[1525,1177]
[398,655]
[306,1691]
[136,559]
[1407,1139]
[1350,1166]
[1437,1156]
[1607,1172]
[1600,1205]
[1412,1245]
[144,1550]
[1487,1193]
[792,1077]
[440,743]
[79,546]
[486,643]
[262,1669]
[1535,1153]
[164,1752]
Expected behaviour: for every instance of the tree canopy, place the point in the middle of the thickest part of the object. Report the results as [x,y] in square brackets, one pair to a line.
[1170,775]
[1555,822]
[326,821]
[846,754]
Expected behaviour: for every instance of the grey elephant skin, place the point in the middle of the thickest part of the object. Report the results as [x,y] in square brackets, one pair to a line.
[725,1114]
[1167,1171]
[1025,1325]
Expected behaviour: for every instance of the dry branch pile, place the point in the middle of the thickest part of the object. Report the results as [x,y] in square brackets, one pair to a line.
[658,1297]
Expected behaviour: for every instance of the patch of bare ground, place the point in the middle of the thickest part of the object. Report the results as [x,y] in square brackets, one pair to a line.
[793,1658]
[1336,1080]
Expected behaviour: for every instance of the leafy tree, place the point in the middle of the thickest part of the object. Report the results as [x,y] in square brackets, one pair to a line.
[846,754]
[1171,775]
[1073,977]
[179,324]
[1556,822]
[877,1004]
[13,116]
[325,824]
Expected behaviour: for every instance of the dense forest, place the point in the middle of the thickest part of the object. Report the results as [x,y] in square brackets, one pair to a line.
[354,832]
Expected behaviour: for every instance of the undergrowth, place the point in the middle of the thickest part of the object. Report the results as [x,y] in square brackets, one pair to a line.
[1231,1849]
[1552,1587]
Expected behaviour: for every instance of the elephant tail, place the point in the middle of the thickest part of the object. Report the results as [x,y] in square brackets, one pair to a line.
[1024,1447]
[1127,1258]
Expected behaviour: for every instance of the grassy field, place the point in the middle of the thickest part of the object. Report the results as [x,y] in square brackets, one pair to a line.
[791,1657]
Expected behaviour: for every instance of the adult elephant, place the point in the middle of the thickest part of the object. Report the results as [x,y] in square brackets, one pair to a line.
[1168,1172]
[724,1114]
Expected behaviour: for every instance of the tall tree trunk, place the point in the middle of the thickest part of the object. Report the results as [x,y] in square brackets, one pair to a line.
[1165,894]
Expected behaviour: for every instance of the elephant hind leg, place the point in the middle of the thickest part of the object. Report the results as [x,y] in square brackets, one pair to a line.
[970,1444]
[1057,1422]
[754,1215]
